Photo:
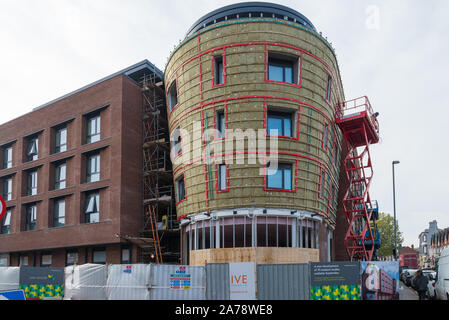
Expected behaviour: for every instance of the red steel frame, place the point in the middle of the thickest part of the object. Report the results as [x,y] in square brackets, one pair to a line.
[359,171]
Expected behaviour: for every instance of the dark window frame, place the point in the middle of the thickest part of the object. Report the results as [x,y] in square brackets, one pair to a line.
[282,115]
[57,215]
[60,147]
[102,249]
[93,132]
[7,162]
[284,61]
[172,96]
[32,189]
[30,217]
[60,184]
[6,229]
[181,196]
[219,70]
[90,174]
[32,149]
[7,192]
[46,253]
[282,166]
[92,207]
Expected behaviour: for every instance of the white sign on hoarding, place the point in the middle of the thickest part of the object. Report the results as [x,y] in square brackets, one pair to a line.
[242,282]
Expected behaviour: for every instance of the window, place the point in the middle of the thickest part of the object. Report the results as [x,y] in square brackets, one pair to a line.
[218,70]
[32,183]
[31,218]
[279,124]
[61,140]
[99,256]
[59,213]
[4,260]
[180,189]
[60,176]
[321,185]
[329,88]
[93,128]
[71,258]
[172,96]
[92,208]
[23,260]
[283,68]
[6,223]
[32,149]
[126,256]
[7,189]
[221,123]
[222,177]
[280,179]
[93,168]
[177,142]
[46,259]
[7,158]
[325,136]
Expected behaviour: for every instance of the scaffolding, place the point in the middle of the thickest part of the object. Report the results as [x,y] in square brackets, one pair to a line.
[160,225]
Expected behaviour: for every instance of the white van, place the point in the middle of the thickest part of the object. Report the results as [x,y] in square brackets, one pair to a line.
[442,285]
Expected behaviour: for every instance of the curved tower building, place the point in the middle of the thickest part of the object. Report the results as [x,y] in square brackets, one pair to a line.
[252,94]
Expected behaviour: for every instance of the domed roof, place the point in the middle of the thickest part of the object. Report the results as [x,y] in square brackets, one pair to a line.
[248,10]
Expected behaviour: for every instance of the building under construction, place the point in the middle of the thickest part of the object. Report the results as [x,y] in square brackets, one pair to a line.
[135,167]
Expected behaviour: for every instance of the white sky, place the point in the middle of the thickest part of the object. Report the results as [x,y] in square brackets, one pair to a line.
[51,47]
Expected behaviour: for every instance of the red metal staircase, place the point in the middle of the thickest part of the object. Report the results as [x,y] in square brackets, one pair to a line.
[360,128]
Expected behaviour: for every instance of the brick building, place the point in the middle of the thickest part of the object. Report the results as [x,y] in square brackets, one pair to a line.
[71,175]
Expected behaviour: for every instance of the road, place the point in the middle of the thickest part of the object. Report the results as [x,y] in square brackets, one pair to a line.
[407,293]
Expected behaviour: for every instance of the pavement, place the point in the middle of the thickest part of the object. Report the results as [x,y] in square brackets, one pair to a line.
[406,293]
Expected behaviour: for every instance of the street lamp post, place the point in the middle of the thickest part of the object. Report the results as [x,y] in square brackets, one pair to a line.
[394,206]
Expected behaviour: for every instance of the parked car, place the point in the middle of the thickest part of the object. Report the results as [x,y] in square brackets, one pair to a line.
[442,282]
[403,274]
[431,285]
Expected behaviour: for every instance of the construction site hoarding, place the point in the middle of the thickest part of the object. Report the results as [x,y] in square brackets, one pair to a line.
[283,282]
[42,282]
[9,278]
[218,281]
[86,282]
[242,281]
[174,282]
[128,282]
[380,280]
[335,281]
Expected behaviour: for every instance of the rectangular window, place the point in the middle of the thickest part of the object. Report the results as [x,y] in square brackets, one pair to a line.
[60,176]
[177,141]
[280,179]
[7,189]
[221,124]
[321,186]
[279,124]
[23,260]
[222,177]
[4,260]
[99,256]
[31,218]
[93,128]
[180,189]
[93,168]
[92,208]
[218,70]
[61,140]
[325,136]
[6,223]
[283,68]
[7,158]
[71,258]
[329,88]
[59,213]
[32,183]
[172,96]
[32,149]
[126,256]
[46,260]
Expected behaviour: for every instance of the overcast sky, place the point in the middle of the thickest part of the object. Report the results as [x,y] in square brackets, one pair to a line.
[393,51]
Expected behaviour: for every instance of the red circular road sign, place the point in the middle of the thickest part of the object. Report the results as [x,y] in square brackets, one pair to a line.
[2,207]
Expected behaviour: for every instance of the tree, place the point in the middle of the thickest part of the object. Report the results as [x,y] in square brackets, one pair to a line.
[385,225]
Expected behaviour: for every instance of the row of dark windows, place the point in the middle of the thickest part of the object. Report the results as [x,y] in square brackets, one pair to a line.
[281,67]
[93,133]
[60,177]
[99,256]
[91,212]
